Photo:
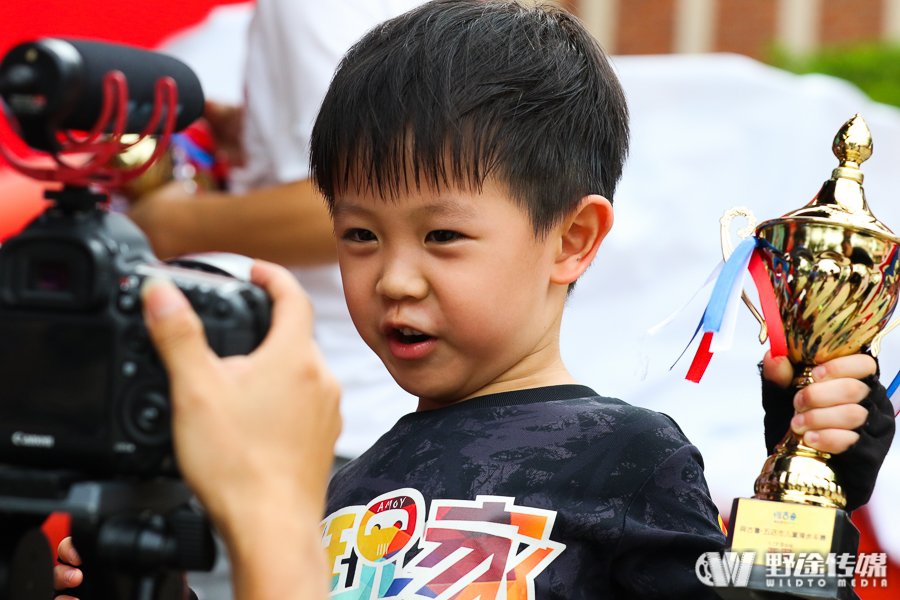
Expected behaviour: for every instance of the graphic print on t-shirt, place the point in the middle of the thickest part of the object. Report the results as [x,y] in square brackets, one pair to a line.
[487,547]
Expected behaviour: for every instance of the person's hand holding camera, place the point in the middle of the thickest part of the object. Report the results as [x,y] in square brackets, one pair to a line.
[253,436]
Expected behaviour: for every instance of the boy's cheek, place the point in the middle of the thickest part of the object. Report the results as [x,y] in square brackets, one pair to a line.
[364,320]
[356,293]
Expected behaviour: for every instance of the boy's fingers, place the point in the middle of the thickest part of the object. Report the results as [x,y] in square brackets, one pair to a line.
[833,441]
[855,366]
[292,315]
[778,370]
[845,416]
[66,577]
[175,329]
[67,553]
[830,393]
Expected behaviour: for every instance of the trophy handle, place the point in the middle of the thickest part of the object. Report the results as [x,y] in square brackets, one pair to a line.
[727,249]
[875,346]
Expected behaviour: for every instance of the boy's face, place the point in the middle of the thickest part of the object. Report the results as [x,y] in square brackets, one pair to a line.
[451,289]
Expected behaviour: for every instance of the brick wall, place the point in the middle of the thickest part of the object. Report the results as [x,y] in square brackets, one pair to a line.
[742,26]
[645,27]
[845,21]
[745,26]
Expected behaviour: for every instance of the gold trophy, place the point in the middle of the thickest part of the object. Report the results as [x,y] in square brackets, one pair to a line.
[138,153]
[165,169]
[834,271]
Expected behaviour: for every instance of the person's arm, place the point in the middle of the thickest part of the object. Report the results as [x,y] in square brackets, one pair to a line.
[254,436]
[846,412]
[288,223]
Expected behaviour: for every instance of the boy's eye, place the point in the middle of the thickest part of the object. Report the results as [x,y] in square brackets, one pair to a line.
[359,235]
[442,235]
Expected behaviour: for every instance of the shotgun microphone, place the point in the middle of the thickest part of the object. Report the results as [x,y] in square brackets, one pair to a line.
[53,84]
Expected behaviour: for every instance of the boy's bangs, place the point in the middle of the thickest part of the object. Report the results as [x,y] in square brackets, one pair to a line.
[456,92]
[391,167]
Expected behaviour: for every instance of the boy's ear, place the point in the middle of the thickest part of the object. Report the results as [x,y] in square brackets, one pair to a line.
[581,235]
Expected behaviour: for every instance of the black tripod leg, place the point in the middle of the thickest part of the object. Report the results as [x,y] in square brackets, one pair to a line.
[172,585]
[165,585]
[97,583]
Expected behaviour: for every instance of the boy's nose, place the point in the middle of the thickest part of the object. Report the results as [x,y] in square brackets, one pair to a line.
[402,280]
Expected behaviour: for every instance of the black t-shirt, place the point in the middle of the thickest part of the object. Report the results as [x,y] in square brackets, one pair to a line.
[545,493]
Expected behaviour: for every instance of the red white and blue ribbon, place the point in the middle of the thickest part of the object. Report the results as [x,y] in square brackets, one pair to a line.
[712,277]
[720,317]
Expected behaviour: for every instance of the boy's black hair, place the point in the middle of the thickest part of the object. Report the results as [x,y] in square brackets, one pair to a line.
[457,91]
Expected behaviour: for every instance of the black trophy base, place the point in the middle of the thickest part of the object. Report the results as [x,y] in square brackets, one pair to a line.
[787,533]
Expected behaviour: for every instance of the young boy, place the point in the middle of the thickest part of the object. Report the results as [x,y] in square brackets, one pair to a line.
[469,152]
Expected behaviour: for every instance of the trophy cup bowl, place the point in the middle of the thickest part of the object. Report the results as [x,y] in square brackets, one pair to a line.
[833,268]
[836,287]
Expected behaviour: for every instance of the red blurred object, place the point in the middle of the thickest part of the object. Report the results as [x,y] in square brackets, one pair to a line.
[201,134]
[213,164]
[143,24]
[868,543]
[56,528]
[21,200]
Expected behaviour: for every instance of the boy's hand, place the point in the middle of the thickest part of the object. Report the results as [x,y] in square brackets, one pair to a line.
[828,410]
[227,124]
[64,576]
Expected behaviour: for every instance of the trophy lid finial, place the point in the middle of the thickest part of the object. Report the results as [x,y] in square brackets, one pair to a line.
[853,142]
[841,201]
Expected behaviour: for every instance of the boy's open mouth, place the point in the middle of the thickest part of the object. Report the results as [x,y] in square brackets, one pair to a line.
[408,335]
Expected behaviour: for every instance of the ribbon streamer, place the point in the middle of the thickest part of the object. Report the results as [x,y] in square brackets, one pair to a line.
[774,324]
[701,360]
[893,388]
[724,335]
[734,266]
[665,323]
[720,317]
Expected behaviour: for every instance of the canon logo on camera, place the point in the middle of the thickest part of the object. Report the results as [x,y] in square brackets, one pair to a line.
[32,440]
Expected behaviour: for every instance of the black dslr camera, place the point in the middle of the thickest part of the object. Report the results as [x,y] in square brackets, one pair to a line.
[80,383]
[84,400]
